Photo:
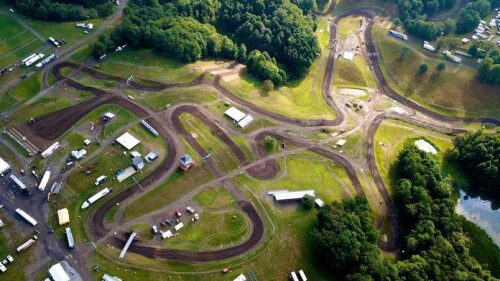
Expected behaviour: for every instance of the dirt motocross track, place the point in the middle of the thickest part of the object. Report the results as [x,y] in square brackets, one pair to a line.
[53,125]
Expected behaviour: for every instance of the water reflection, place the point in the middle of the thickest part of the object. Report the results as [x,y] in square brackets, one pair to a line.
[481,213]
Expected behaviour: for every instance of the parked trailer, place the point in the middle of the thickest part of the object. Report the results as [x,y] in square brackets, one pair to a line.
[27,244]
[45,61]
[302,275]
[69,237]
[398,35]
[293,276]
[429,47]
[44,181]
[95,197]
[50,150]
[452,57]
[34,59]
[53,41]
[150,128]
[463,54]
[18,182]
[27,217]
[28,58]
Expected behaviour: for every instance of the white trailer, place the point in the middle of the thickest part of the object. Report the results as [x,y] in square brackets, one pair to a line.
[429,47]
[452,57]
[293,276]
[69,237]
[95,197]
[178,226]
[302,275]
[50,150]
[44,181]
[27,217]
[53,41]
[28,58]
[45,61]
[34,59]
[26,244]
[398,35]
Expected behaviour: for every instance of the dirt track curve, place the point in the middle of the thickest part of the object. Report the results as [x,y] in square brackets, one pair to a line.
[53,125]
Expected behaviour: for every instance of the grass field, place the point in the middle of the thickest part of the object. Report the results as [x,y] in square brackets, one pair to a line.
[353,74]
[214,198]
[306,170]
[348,26]
[148,65]
[10,238]
[25,90]
[196,94]
[300,98]
[168,191]
[224,157]
[393,135]
[454,91]
[214,230]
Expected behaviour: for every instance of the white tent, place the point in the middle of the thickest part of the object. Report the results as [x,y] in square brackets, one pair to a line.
[235,114]
[63,216]
[4,166]
[58,273]
[348,55]
[128,141]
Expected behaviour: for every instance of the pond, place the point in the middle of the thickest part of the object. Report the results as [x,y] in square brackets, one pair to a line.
[482,213]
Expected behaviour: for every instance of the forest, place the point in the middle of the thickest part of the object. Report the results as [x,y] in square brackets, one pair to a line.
[478,154]
[63,10]
[274,37]
[433,242]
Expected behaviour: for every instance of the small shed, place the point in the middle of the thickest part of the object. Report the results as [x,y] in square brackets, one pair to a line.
[138,163]
[108,116]
[135,154]
[341,142]
[186,162]
[348,55]
[319,203]
[63,216]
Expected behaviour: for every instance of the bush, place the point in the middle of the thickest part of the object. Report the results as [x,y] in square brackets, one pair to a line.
[308,202]
[422,68]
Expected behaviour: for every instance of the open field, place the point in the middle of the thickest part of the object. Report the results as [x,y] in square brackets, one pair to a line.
[148,65]
[348,26]
[390,138]
[353,74]
[214,230]
[300,98]
[168,191]
[214,198]
[454,91]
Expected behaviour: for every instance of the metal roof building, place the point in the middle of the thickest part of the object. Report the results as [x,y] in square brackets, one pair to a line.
[293,195]
[235,114]
[245,121]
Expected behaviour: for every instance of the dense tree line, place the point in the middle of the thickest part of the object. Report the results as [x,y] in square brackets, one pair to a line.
[63,10]
[277,27]
[416,16]
[489,71]
[434,244]
[273,37]
[471,15]
[478,154]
